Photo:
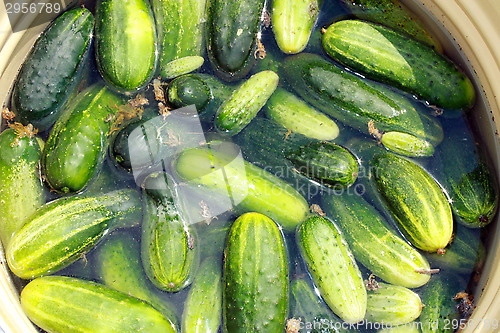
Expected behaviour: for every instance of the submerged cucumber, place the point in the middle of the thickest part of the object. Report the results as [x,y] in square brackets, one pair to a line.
[182,66]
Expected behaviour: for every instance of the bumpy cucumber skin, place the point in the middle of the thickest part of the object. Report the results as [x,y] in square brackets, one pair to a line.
[51,70]
[374,244]
[257,189]
[180,25]
[245,102]
[407,144]
[332,267]
[64,304]
[231,30]
[293,113]
[391,57]
[355,101]
[203,305]
[255,287]
[327,163]
[76,146]
[60,232]
[293,22]
[170,251]
[118,266]
[182,66]
[126,43]
[416,201]
[20,187]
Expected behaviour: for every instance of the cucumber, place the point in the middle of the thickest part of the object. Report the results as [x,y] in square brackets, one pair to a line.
[329,164]
[255,287]
[416,201]
[126,43]
[180,26]
[332,267]
[391,57]
[60,232]
[392,14]
[214,238]
[355,101]
[20,187]
[394,305]
[182,66]
[78,142]
[203,305]
[231,34]
[407,144]
[64,304]
[170,251]
[406,328]
[374,244]
[118,266]
[245,102]
[293,22]
[51,71]
[293,113]
[247,186]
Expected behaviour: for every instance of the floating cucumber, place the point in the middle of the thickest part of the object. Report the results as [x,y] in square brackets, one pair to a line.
[407,144]
[182,66]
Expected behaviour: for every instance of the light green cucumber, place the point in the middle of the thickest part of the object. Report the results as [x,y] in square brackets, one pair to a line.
[63,304]
[20,187]
[296,115]
[332,267]
[60,232]
[255,287]
[245,102]
[394,305]
[248,187]
[203,305]
[182,66]
[407,144]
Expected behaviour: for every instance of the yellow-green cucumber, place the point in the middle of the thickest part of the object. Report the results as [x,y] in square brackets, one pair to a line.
[407,144]
[52,69]
[416,201]
[169,246]
[245,102]
[411,327]
[117,265]
[391,304]
[388,56]
[60,232]
[256,285]
[21,190]
[64,304]
[249,187]
[182,66]
[126,43]
[203,305]
[373,242]
[293,22]
[180,26]
[78,142]
[296,115]
[333,268]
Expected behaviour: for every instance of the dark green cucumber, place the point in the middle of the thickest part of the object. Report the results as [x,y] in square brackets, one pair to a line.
[391,57]
[393,14]
[61,231]
[248,187]
[374,244]
[214,236]
[245,102]
[118,266]
[203,305]
[180,25]
[355,101]
[51,70]
[394,305]
[126,43]
[332,267]
[231,30]
[407,144]
[20,187]
[79,140]
[182,66]
[255,288]
[170,250]
[329,164]
[293,22]
[416,201]
[296,115]
[64,304]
